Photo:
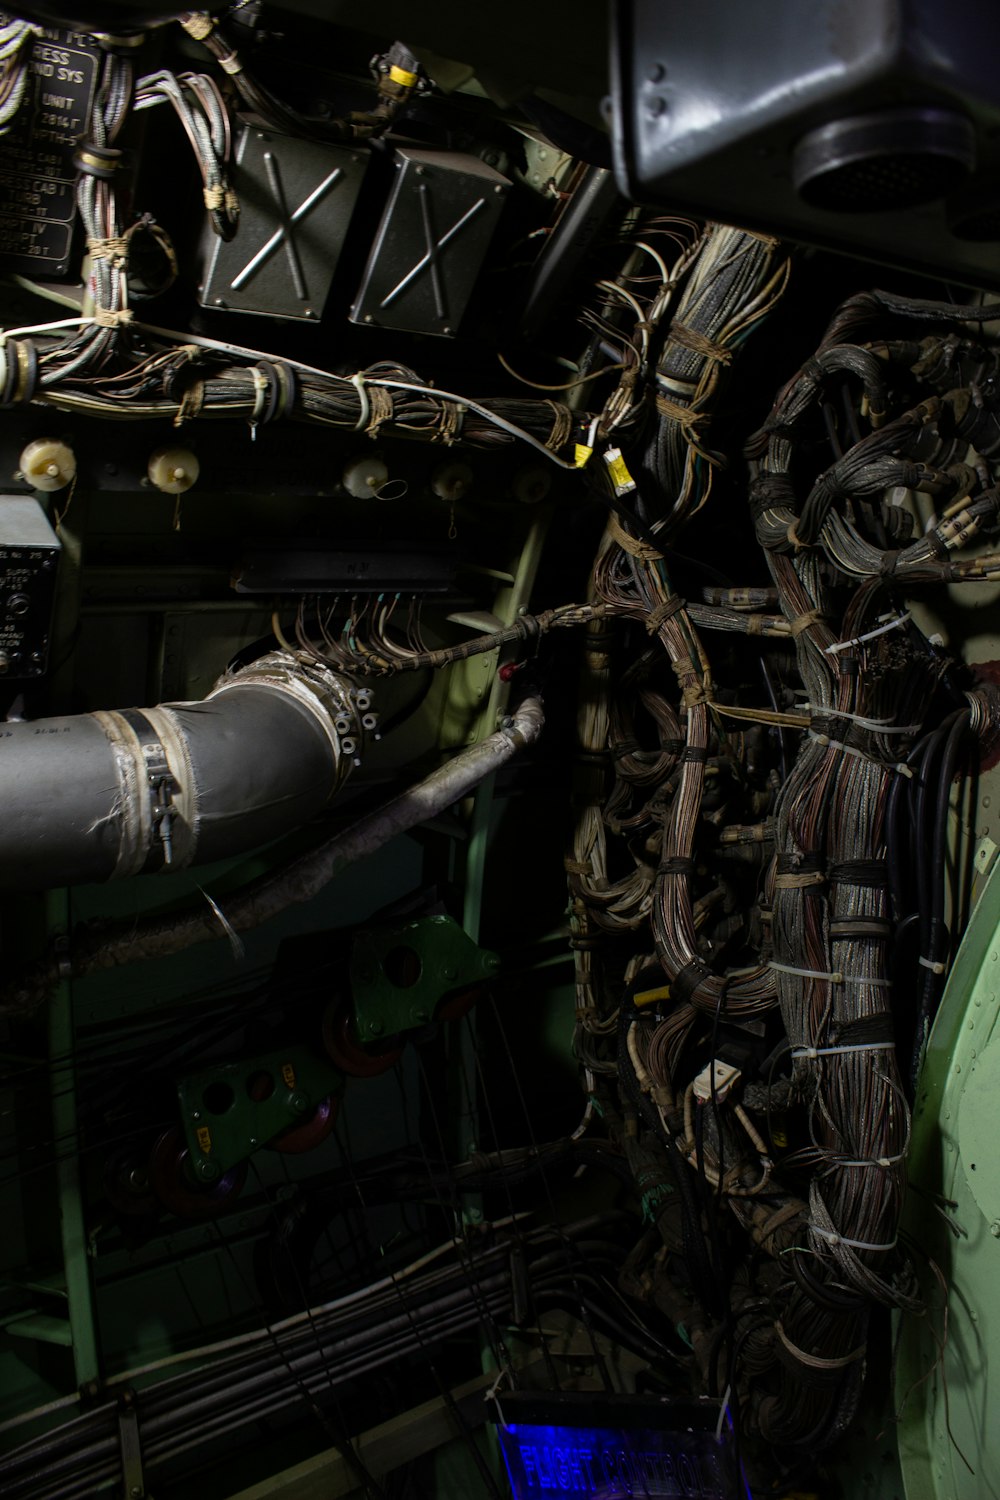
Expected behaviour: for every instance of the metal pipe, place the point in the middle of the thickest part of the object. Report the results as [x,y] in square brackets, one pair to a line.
[103,795]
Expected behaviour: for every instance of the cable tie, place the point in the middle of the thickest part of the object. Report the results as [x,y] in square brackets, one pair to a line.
[833,1238]
[878,726]
[935,968]
[834,978]
[837,1050]
[869,1161]
[878,984]
[358,381]
[859,640]
[260,393]
[829,744]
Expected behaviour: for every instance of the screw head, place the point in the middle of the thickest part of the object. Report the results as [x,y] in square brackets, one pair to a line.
[299,1103]
[375,1028]
[207,1170]
[995,1229]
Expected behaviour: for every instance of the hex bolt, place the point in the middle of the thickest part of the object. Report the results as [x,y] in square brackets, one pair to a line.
[375,1028]
[995,1229]
[299,1103]
[208,1170]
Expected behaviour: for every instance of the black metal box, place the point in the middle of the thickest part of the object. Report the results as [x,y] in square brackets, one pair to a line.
[431,243]
[870,126]
[296,200]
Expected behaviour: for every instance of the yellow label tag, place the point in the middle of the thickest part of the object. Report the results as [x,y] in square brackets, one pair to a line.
[581,454]
[618,469]
[288,1074]
[402,77]
[205,1139]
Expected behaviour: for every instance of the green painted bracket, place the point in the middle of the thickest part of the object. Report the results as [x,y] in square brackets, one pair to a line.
[229,1111]
[949,1395]
[400,975]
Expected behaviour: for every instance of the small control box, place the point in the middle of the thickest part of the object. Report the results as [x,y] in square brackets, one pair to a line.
[29,554]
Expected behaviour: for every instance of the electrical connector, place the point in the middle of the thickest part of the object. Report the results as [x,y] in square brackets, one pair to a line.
[726,1077]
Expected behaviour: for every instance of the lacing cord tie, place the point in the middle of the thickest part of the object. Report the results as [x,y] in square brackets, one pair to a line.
[114,250]
[803,622]
[562,426]
[107,317]
[698,343]
[662,612]
[197,24]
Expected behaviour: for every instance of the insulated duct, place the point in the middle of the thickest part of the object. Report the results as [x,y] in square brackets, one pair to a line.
[104,795]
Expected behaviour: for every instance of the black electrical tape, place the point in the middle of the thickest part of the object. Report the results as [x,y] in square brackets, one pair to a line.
[677,864]
[770,491]
[799,864]
[683,986]
[865,872]
[288,382]
[875,1029]
[696,754]
[852,927]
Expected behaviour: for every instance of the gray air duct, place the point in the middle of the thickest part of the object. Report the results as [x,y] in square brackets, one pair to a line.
[103,795]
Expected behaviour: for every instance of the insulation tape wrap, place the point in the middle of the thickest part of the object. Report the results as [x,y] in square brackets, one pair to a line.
[111,794]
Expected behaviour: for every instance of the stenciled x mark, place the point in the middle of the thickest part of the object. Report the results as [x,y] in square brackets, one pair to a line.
[284,235]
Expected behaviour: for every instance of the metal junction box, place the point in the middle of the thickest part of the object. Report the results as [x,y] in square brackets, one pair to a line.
[29,554]
[868,126]
[296,201]
[431,243]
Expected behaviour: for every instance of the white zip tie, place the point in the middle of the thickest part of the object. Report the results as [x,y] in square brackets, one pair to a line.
[869,635]
[833,1238]
[358,381]
[814,1052]
[825,740]
[935,968]
[806,973]
[878,984]
[870,1161]
[879,726]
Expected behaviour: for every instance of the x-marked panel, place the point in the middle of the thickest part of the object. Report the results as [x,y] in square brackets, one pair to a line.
[431,243]
[296,201]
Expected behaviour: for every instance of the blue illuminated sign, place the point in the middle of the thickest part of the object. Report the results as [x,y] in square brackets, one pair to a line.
[616,1463]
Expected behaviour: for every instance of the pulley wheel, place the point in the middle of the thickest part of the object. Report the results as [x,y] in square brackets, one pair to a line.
[176,1188]
[346,1051]
[126,1182]
[312,1132]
